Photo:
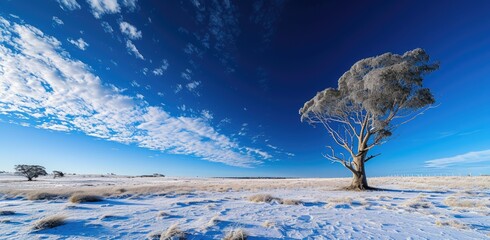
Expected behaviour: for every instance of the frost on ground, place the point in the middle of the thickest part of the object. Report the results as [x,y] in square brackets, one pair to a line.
[147,208]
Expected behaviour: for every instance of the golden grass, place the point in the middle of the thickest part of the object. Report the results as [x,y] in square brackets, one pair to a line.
[267,198]
[82,198]
[49,222]
[268,224]
[173,233]
[236,234]
[452,201]
[135,186]
[45,196]
[419,202]
[451,223]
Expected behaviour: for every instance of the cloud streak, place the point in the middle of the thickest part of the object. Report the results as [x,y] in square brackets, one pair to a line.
[130,31]
[466,158]
[80,43]
[40,82]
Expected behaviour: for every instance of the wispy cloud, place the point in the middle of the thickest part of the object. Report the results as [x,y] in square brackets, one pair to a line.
[57,21]
[107,28]
[80,43]
[133,50]
[130,4]
[466,158]
[130,31]
[101,7]
[160,70]
[54,91]
[69,4]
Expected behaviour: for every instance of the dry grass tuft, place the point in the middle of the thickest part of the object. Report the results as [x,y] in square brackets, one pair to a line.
[291,202]
[236,234]
[154,236]
[268,224]
[263,198]
[45,196]
[173,233]
[162,214]
[213,221]
[81,198]
[49,222]
[6,213]
[465,203]
[419,202]
[452,223]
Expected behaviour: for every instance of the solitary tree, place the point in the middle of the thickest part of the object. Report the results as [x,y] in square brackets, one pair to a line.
[30,171]
[374,97]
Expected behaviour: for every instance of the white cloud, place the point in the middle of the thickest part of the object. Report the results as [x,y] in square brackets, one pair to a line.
[80,43]
[45,84]
[130,30]
[135,84]
[192,85]
[69,4]
[178,88]
[470,157]
[186,74]
[107,28]
[130,4]
[133,50]
[206,114]
[160,70]
[101,7]
[57,21]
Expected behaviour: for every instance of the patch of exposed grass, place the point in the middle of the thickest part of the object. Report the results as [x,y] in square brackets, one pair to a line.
[162,214]
[419,202]
[45,196]
[268,224]
[82,198]
[173,233]
[236,234]
[465,203]
[291,202]
[49,222]
[267,198]
[451,223]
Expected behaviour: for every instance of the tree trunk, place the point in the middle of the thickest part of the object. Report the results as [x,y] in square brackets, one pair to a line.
[29,179]
[359,180]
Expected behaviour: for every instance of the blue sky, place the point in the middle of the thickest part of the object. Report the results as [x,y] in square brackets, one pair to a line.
[213,88]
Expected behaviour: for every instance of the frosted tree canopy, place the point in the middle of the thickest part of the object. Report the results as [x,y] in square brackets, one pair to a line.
[384,87]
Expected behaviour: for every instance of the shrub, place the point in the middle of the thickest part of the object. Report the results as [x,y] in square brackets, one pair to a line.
[236,234]
[30,171]
[49,222]
[81,198]
[58,174]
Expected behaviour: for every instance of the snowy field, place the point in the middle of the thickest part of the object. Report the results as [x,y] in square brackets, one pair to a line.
[145,208]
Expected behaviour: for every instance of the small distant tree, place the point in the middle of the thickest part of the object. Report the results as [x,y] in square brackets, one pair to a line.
[373,98]
[58,174]
[30,171]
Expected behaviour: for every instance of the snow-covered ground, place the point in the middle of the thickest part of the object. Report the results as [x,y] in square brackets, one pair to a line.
[135,208]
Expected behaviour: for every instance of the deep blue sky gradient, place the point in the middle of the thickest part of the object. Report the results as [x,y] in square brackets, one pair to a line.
[260,74]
